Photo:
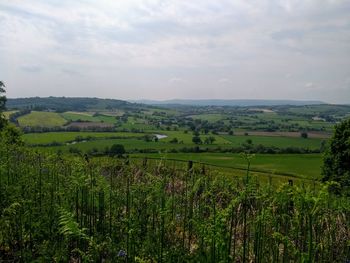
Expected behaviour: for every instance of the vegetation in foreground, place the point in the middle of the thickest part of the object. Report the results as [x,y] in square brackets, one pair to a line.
[106,209]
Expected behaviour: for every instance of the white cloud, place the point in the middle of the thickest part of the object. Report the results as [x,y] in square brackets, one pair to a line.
[310,85]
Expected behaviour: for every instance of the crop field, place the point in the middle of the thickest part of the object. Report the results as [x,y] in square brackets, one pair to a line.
[41,118]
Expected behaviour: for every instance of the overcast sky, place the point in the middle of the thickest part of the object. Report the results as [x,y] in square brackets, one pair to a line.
[130,49]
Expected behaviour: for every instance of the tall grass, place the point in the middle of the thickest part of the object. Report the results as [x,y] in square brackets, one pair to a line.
[57,208]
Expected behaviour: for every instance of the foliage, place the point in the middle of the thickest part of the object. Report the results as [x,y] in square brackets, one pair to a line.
[196,139]
[336,165]
[76,209]
[117,149]
[66,104]
[11,135]
[209,140]
[304,135]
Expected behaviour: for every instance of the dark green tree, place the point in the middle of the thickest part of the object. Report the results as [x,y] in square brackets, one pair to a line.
[336,163]
[196,140]
[304,135]
[174,140]
[117,150]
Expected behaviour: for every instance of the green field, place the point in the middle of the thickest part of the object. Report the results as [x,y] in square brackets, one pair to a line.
[49,137]
[129,144]
[187,137]
[75,116]
[133,141]
[281,142]
[137,123]
[41,118]
[211,117]
[307,166]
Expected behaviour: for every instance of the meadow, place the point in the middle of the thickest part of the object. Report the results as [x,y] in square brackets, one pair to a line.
[61,137]
[39,118]
[302,166]
[311,143]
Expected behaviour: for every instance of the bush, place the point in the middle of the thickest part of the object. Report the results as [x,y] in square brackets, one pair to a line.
[304,135]
[196,140]
[336,165]
[117,150]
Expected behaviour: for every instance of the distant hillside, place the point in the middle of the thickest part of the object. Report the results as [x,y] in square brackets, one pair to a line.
[238,102]
[83,104]
[66,104]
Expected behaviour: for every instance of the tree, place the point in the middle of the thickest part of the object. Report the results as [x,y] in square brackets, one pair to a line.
[117,149]
[2,105]
[148,138]
[336,162]
[209,140]
[174,140]
[196,140]
[304,135]
[11,135]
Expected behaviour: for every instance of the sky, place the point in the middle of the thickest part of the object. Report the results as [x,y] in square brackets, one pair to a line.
[198,49]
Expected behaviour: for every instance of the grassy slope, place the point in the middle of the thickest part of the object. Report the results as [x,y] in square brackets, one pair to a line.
[74,116]
[41,118]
